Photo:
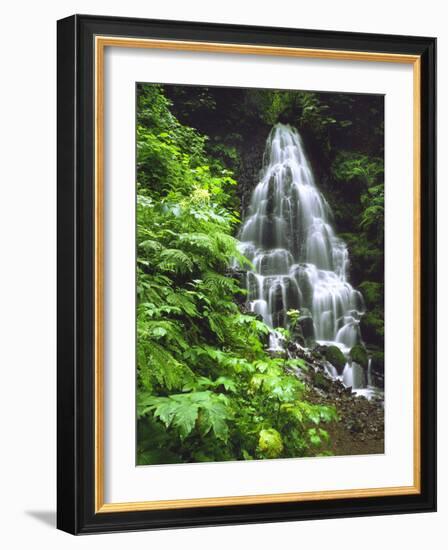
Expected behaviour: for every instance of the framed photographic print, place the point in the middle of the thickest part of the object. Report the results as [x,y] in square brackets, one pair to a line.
[246,274]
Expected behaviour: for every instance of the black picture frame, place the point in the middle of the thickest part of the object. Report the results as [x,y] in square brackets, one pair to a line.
[76,270]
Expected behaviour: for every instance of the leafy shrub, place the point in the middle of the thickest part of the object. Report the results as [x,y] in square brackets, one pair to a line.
[354,167]
[373,293]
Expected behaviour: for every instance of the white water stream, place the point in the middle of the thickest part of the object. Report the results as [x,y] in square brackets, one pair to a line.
[299,262]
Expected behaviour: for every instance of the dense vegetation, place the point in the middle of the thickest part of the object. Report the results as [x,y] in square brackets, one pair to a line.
[207,388]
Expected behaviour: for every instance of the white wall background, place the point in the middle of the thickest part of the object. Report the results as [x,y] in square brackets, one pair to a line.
[27,272]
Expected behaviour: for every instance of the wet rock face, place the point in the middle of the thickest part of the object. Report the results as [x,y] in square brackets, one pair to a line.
[303,331]
[306,324]
[248,172]
[279,318]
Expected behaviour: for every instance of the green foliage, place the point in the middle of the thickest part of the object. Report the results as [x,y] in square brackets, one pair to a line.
[354,167]
[359,355]
[315,115]
[304,109]
[361,176]
[372,292]
[372,323]
[372,219]
[318,436]
[207,389]
[202,410]
[293,318]
[372,326]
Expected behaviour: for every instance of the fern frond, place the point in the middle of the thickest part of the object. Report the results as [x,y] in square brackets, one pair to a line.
[175,260]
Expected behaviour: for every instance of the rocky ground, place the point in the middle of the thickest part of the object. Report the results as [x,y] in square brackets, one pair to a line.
[360,429]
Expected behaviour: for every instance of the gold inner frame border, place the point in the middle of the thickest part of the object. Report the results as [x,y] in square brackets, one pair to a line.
[101,42]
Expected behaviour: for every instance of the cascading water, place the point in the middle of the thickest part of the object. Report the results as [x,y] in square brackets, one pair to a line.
[299,262]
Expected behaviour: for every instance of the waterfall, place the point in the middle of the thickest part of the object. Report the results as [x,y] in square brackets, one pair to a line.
[298,260]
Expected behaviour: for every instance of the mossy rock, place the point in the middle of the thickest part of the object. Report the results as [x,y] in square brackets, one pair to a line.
[359,355]
[335,356]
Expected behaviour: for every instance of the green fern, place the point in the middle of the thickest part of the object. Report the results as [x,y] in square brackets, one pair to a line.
[173,259]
